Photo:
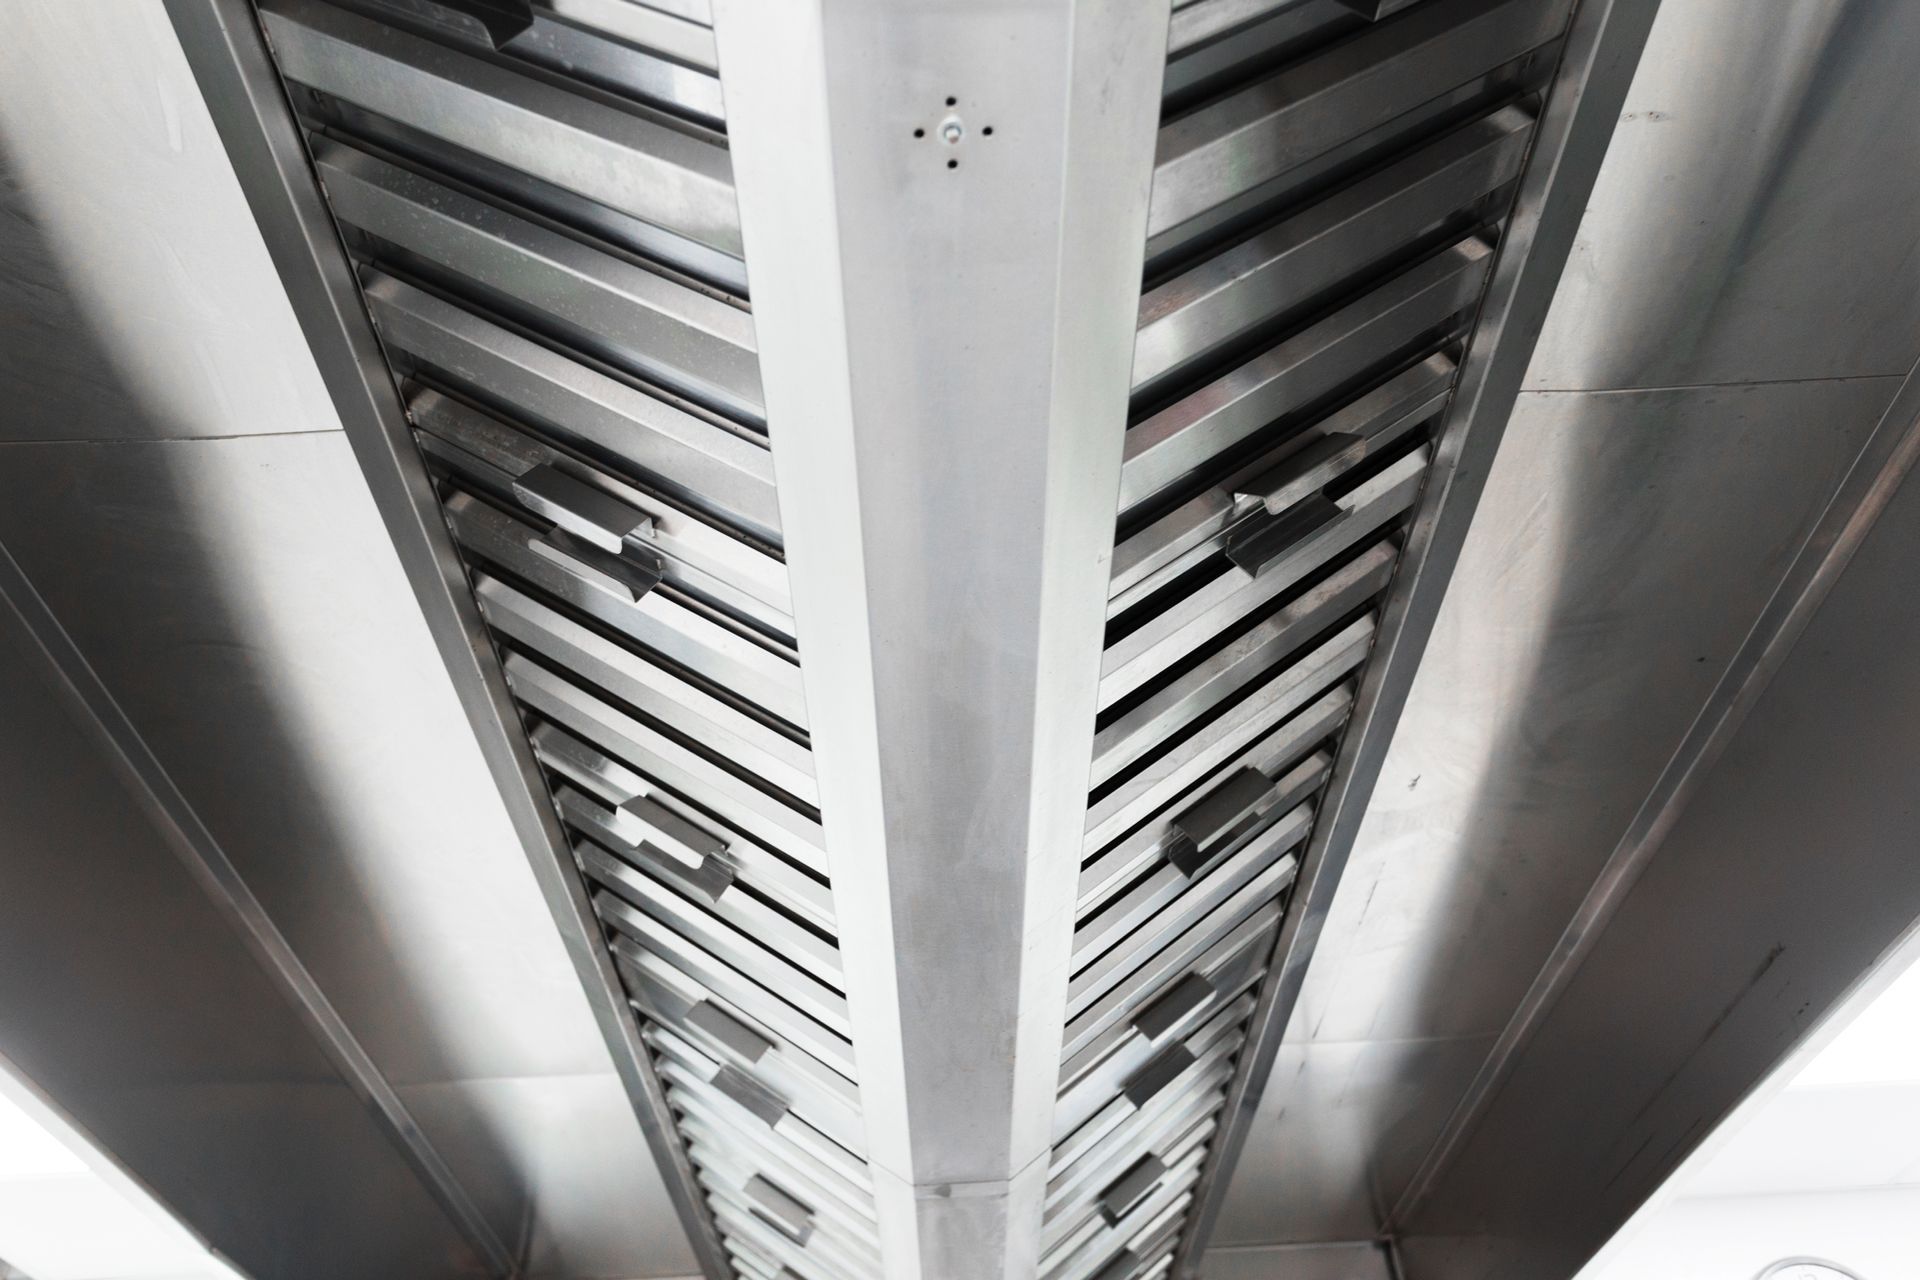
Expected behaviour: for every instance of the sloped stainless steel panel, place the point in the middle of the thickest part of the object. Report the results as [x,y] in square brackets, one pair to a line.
[191,1065]
[1698,386]
[1809,209]
[1466,801]
[1810,756]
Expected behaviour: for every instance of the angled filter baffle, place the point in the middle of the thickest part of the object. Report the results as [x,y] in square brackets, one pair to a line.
[539,205]
[1330,190]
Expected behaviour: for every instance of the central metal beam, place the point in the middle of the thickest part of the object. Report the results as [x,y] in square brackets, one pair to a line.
[944,210]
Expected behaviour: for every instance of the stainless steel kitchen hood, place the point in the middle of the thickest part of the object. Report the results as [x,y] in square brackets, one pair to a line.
[933,512]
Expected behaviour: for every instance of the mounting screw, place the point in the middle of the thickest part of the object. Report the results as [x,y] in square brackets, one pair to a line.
[951,130]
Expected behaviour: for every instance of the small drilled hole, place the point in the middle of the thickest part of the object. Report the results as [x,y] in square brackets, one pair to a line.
[953,164]
[987,132]
[953,102]
[921,133]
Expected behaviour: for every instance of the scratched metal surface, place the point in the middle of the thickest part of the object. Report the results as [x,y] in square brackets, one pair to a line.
[1787,876]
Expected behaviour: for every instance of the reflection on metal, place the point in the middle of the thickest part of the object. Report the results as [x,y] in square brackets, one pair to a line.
[172,457]
[1805,763]
[1883,461]
[155,793]
[951,640]
[226,48]
[1782,259]
[202,1029]
[1632,537]
[1575,119]
[923,825]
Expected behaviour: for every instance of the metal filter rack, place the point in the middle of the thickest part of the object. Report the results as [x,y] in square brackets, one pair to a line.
[933,515]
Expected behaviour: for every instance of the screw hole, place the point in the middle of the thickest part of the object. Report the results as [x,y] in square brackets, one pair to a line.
[953,164]
[953,102]
[987,132]
[919,133]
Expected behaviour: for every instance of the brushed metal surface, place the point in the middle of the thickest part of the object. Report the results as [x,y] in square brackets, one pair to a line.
[1574,660]
[944,333]
[127,257]
[1337,1122]
[1786,877]
[131,997]
[1628,541]
[1754,218]
[1576,650]
[1570,657]
[347,792]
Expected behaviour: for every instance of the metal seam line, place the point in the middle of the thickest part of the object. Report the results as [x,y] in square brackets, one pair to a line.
[102,718]
[1884,461]
[227,53]
[241,435]
[1602,48]
[1712,386]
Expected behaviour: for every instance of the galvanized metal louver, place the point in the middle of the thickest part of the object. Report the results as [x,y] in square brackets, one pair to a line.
[543,218]
[1327,199]
[538,198]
